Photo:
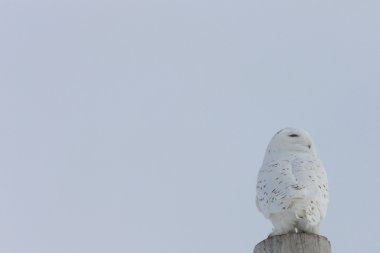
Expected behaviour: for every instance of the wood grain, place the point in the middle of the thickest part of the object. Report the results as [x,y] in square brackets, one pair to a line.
[294,243]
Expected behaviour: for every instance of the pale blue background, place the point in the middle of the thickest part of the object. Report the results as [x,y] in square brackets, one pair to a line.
[139,126]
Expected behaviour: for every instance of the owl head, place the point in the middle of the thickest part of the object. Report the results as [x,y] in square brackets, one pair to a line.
[291,140]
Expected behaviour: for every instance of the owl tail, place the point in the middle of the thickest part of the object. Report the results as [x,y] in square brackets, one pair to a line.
[308,213]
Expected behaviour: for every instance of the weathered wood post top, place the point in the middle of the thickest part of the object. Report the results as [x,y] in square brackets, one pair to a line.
[294,243]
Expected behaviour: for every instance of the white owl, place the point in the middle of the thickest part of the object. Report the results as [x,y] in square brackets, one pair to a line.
[292,186]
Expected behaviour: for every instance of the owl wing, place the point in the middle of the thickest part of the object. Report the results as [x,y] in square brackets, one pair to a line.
[276,187]
[311,175]
[282,183]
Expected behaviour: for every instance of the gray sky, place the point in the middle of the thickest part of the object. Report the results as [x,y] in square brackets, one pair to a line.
[140,126]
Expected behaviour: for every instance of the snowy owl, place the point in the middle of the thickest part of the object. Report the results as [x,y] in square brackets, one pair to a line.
[292,189]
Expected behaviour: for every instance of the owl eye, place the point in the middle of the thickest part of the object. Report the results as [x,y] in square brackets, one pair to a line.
[293,135]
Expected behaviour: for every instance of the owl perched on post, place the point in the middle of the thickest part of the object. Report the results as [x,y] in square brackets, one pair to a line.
[291,188]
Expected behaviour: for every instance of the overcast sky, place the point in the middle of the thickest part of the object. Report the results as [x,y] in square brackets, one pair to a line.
[140,126]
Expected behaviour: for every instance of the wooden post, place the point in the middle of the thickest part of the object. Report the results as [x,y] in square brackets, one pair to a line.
[294,243]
